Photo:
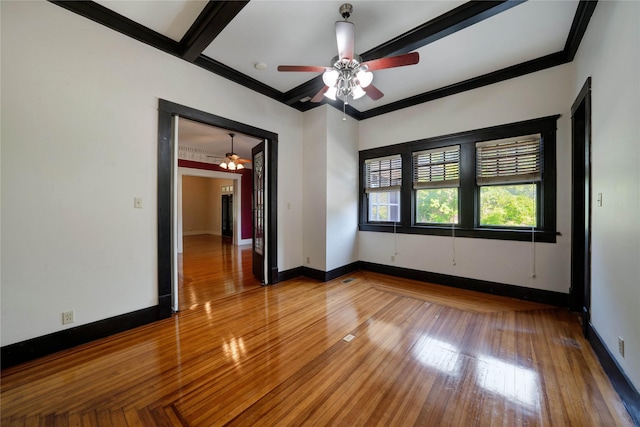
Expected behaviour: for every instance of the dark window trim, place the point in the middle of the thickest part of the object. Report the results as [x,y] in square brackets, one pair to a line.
[468,196]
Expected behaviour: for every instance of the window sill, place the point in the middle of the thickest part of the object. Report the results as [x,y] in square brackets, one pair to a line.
[478,233]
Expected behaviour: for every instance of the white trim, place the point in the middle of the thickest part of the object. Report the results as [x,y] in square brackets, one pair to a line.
[176,238]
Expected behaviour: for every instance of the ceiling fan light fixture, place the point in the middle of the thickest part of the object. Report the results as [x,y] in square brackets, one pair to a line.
[232,166]
[331,93]
[240,166]
[358,92]
[330,77]
[364,78]
[223,165]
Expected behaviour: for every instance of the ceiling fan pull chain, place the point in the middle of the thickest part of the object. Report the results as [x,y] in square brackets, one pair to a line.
[344,110]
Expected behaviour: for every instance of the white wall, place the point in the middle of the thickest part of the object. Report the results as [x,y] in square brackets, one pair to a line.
[314,188]
[79,142]
[330,185]
[536,95]
[610,54]
[342,190]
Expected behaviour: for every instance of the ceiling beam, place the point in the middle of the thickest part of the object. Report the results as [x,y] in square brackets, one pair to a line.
[237,77]
[215,16]
[579,27]
[444,25]
[102,15]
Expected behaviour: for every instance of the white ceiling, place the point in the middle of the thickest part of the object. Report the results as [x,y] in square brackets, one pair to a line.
[214,140]
[302,32]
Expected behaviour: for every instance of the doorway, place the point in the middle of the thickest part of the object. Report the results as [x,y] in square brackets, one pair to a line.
[580,292]
[227,215]
[167,180]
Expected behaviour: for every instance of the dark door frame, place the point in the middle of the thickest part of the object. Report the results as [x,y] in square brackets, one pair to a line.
[580,292]
[166,111]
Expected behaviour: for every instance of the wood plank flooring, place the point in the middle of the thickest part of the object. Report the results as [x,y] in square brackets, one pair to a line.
[421,354]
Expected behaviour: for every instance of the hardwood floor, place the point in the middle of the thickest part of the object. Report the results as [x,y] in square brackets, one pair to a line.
[211,268]
[420,354]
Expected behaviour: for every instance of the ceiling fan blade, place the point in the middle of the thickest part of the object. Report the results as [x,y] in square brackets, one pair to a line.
[373,92]
[318,96]
[393,61]
[242,161]
[306,68]
[345,35]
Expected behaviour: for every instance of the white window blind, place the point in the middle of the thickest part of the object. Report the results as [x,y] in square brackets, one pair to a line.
[436,168]
[383,174]
[509,160]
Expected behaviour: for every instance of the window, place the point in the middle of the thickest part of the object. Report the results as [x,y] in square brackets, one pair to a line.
[383,180]
[496,183]
[507,173]
[436,178]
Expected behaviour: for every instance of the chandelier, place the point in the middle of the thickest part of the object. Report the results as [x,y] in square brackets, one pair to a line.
[232,161]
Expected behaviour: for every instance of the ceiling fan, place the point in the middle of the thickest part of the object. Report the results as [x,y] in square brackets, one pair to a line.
[349,76]
[232,160]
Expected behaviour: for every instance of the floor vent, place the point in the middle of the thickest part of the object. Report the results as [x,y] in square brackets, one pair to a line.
[350,279]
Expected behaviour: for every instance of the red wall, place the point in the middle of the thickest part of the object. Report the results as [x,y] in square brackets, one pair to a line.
[246,190]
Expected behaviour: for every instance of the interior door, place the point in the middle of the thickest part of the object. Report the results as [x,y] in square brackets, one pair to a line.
[227,215]
[259,247]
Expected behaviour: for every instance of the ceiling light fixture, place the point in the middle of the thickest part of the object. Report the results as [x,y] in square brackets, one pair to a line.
[348,76]
[232,162]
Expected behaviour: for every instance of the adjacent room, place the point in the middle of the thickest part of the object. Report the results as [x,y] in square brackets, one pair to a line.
[320,213]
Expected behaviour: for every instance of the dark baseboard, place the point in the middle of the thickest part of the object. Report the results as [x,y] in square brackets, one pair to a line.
[628,393]
[341,271]
[314,274]
[325,276]
[290,274]
[14,354]
[529,294]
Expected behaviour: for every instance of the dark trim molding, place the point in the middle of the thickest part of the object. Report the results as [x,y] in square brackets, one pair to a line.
[102,15]
[468,225]
[578,27]
[290,274]
[166,110]
[216,16]
[529,294]
[444,25]
[14,354]
[212,20]
[507,73]
[628,393]
[325,276]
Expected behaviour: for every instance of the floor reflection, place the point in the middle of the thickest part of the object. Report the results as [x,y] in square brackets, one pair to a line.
[518,384]
[437,354]
[234,350]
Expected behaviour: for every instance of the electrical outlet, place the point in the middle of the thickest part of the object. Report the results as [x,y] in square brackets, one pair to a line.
[393,258]
[621,346]
[137,202]
[68,317]
[308,260]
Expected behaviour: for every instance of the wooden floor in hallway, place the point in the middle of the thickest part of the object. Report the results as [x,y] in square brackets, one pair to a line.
[376,350]
[211,267]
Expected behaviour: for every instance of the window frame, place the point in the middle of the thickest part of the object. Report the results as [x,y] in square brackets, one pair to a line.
[469,192]
[379,188]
